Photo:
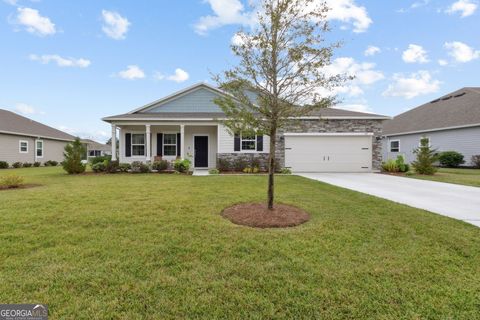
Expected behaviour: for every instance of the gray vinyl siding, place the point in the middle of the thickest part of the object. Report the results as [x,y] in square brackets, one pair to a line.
[10,149]
[466,141]
[200,100]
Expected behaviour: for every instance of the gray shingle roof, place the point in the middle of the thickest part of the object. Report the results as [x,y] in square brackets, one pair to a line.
[11,122]
[94,145]
[456,109]
[327,112]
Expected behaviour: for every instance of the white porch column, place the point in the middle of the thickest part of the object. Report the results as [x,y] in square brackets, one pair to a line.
[114,142]
[148,138]
[182,141]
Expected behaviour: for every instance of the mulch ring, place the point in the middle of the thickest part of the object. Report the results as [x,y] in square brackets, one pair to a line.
[257,215]
[23,186]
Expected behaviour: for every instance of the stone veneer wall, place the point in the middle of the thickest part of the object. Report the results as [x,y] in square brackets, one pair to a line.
[314,126]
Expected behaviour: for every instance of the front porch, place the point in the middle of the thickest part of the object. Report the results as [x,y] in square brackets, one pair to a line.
[158,141]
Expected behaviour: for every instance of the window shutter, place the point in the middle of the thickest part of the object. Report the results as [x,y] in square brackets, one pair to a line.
[179,145]
[236,142]
[259,143]
[159,144]
[128,145]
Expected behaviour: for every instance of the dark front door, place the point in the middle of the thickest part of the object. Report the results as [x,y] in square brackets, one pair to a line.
[201,151]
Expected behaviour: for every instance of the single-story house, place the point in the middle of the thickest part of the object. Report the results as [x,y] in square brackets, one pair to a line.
[188,124]
[451,123]
[96,149]
[25,140]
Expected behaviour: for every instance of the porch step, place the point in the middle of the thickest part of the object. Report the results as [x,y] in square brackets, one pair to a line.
[200,172]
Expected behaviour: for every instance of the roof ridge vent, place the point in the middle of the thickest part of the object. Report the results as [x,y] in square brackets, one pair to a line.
[435,101]
[460,95]
[447,98]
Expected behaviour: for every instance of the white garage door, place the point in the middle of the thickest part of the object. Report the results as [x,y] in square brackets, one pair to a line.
[328,152]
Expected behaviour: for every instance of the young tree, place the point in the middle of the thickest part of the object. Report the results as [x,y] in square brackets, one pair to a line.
[281,64]
[426,157]
[73,154]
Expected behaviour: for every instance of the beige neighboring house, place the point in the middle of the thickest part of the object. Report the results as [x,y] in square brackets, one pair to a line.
[25,140]
[96,149]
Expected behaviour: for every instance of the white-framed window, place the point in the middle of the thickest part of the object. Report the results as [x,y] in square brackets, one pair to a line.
[394,145]
[94,153]
[23,146]
[138,144]
[169,144]
[248,142]
[39,148]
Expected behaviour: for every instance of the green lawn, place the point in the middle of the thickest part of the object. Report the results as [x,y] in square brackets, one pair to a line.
[468,177]
[155,247]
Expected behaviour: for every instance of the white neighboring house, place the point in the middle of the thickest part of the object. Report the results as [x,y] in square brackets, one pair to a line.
[188,124]
[25,140]
[96,149]
[451,123]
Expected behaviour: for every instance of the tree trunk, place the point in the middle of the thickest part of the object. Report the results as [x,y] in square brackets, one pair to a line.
[271,167]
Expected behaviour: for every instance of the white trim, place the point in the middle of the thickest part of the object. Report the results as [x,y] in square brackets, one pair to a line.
[20,146]
[373,117]
[163,143]
[34,136]
[390,145]
[208,148]
[131,144]
[107,119]
[430,130]
[248,150]
[36,149]
[328,134]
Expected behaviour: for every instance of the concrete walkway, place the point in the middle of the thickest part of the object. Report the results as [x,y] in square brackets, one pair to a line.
[451,200]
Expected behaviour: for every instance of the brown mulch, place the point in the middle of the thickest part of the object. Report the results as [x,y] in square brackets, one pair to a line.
[23,186]
[257,215]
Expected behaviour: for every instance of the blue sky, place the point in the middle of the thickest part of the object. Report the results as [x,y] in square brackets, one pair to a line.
[70,63]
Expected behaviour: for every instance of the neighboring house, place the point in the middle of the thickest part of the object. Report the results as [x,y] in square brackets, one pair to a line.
[451,123]
[25,140]
[96,149]
[187,124]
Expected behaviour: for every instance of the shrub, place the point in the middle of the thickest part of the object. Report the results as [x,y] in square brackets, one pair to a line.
[124,167]
[250,170]
[255,163]
[111,166]
[239,164]
[426,157]
[100,159]
[99,167]
[160,165]
[476,161]
[4,165]
[286,171]
[451,159]
[73,154]
[401,165]
[390,166]
[37,164]
[182,165]
[27,164]
[139,167]
[213,171]
[51,163]
[224,165]
[11,181]
[17,165]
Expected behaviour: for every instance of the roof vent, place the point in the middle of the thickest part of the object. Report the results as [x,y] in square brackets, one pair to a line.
[447,98]
[460,95]
[434,101]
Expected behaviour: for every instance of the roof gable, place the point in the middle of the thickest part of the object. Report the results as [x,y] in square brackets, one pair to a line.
[457,109]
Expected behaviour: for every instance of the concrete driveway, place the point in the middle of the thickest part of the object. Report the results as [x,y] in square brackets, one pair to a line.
[451,200]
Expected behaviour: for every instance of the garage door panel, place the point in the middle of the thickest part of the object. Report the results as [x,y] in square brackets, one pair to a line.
[328,153]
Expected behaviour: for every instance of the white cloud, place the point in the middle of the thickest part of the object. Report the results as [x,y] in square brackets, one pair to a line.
[371,51]
[227,12]
[115,26]
[461,52]
[364,73]
[442,62]
[464,7]
[25,109]
[415,54]
[34,22]
[413,85]
[60,61]
[179,76]
[348,11]
[132,72]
